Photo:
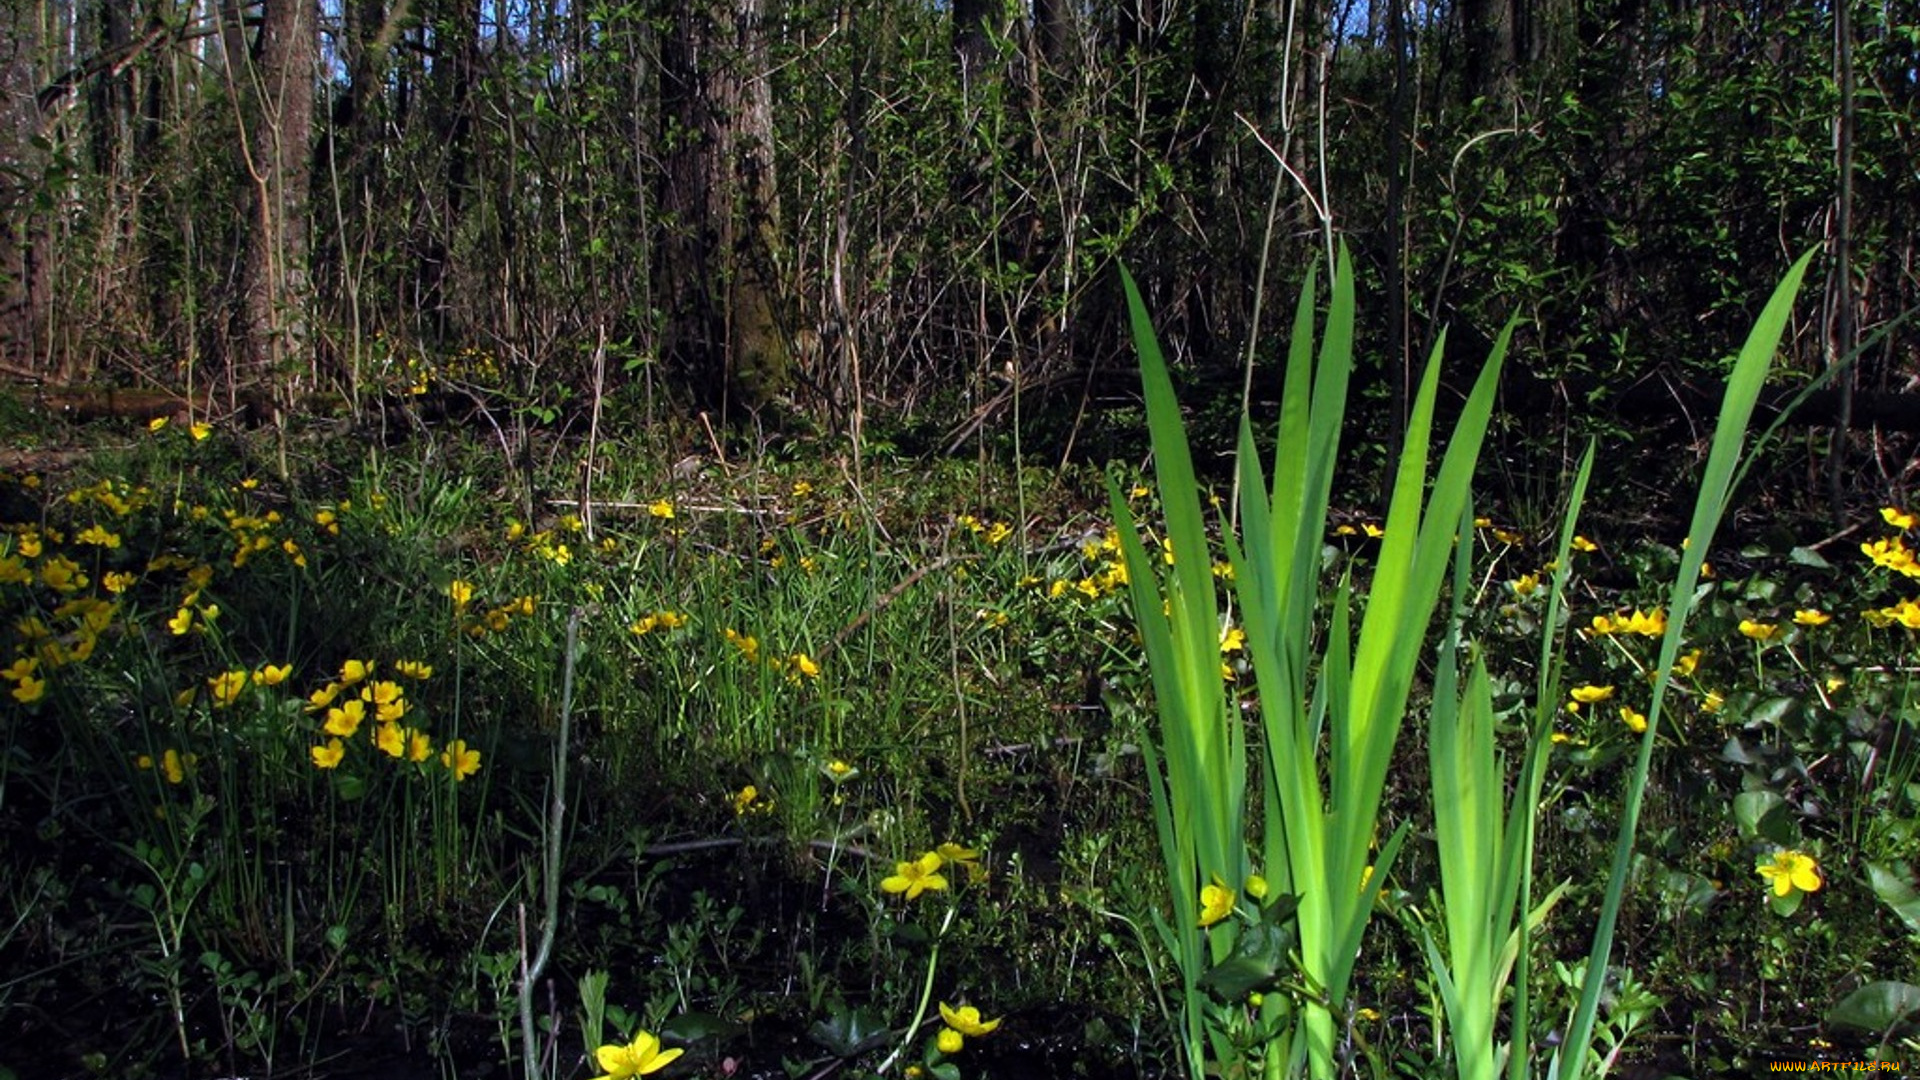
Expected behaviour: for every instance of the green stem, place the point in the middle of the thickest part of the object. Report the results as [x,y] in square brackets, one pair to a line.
[926,995]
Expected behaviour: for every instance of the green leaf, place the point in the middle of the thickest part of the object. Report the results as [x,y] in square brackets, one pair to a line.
[1258,955]
[850,1031]
[1763,815]
[1878,1007]
[1895,891]
[1806,556]
[691,1027]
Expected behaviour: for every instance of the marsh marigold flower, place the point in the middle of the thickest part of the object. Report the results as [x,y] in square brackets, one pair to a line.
[640,1057]
[1647,623]
[462,761]
[1216,902]
[913,878]
[1897,517]
[1590,694]
[1789,871]
[967,1020]
[949,1041]
[1760,631]
[328,754]
[226,687]
[1636,722]
[1812,617]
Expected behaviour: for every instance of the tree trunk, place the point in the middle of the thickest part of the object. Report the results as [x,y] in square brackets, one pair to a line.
[23,276]
[275,85]
[726,325]
[1493,56]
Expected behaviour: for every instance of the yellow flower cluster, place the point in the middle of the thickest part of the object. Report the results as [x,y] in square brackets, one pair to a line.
[385,703]
[1645,623]
[659,620]
[493,620]
[1217,900]
[961,1024]
[994,533]
[1892,553]
[795,666]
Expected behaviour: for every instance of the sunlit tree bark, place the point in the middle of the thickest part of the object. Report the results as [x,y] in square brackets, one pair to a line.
[274,82]
[726,321]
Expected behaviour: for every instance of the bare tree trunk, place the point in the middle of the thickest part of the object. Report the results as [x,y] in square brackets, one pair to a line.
[1493,54]
[275,85]
[725,320]
[23,276]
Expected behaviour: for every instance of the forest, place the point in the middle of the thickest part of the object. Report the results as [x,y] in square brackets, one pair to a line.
[968,538]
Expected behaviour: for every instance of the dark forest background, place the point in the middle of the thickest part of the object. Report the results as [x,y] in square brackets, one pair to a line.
[901,216]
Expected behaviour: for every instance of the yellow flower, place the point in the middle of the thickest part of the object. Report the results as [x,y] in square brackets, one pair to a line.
[744,799]
[390,740]
[1581,543]
[662,509]
[200,431]
[1604,625]
[323,697]
[461,592]
[1589,694]
[1647,623]
[29,690]
[640,1057]
[1636,722]
[916,877]
[1216,902]
[1373,531]
[1760,631]
[1897,517]
[966,858]
[1789,871]
[1812,617]
[354,670]
[966,1020]
[156,423]
[463,761]
[1713,702]
[329,754]
[226,687]
[804,664]
[175,766]
[1257,886]
[273,674]
[419,745]
[97,537]
[388,700]
[344,720]
[949,1041]
[1525,585]
[1234,640]
[414,669]
[748,645]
